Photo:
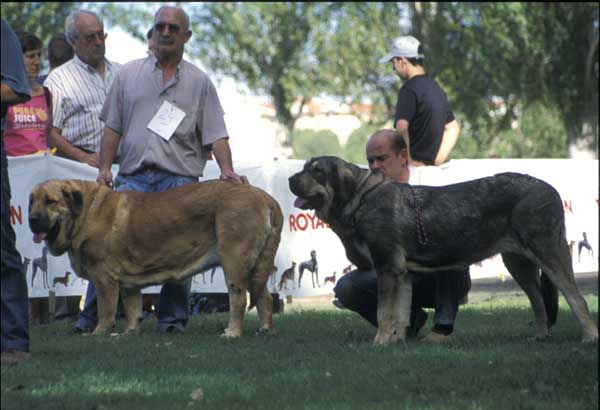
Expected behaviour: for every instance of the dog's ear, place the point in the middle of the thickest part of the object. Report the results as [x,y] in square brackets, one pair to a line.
[74,199]
[347,183]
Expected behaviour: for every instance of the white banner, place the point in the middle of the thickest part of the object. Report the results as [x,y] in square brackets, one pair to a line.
[575,180]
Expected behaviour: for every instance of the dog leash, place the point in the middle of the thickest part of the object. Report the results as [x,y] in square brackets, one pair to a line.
[353,206]
[421,234]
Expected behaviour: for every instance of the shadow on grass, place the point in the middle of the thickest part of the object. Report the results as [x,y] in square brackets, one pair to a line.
[317,360]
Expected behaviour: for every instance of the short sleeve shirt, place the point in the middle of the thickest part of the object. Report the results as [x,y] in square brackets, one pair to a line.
[135,97]
[12,66]
[78,93]
[425,106]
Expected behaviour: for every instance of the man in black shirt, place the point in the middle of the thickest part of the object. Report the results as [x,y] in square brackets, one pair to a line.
[430,131]
[423,116]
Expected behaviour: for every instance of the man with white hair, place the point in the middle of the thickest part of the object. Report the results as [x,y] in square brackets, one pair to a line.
[79,88]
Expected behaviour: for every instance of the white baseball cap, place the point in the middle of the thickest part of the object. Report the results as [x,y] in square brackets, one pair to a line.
[405,46]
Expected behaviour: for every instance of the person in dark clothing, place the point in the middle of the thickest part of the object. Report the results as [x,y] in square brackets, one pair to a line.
[14,299]
[423,116]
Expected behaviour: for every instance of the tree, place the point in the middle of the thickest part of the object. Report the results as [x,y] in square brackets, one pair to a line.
[43,19]
[267,46]
[354,39]
[309,143]
[354,150]
[539,133]
[134,18]
[525,53]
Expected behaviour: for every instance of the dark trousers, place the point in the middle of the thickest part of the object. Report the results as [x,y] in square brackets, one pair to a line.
[442,291]
[13,287]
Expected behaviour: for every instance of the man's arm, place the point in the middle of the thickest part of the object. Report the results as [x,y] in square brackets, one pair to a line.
[14,83]
[108,153]
[449,138]
[9,97]
[65,149]
[402,128]
[222,154]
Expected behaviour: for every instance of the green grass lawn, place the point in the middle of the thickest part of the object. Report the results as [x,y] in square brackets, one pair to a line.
[320,359]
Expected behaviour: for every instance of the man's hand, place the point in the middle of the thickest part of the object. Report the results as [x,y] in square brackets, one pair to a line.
[92,159]
[232,176]
[222,153]
[105,178]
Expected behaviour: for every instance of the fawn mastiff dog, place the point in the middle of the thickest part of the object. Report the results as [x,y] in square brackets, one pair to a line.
[129,240]
[394,228]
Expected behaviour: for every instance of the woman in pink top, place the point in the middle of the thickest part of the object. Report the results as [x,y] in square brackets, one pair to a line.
[27,124]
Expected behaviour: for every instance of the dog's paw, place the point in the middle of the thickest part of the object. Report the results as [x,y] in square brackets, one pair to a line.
[231,333]
[100,332]
[135,331]
[382,339]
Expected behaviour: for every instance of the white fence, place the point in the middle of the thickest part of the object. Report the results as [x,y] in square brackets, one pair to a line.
[575,180]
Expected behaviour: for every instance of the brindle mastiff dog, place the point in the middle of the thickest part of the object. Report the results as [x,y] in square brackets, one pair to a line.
[129,240]
[395,228]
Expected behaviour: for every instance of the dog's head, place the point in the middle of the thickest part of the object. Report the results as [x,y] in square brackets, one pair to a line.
[54,206]
[326,184]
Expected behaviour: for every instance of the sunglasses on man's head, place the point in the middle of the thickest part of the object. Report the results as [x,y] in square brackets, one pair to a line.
[173,28]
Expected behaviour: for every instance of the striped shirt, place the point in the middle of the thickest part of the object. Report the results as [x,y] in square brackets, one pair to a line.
[78,94]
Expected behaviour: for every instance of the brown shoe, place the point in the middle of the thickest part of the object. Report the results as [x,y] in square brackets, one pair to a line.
[13,356]
[420,319]
[436,338]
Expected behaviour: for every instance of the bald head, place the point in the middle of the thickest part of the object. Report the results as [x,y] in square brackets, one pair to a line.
[386,152]
[388,136]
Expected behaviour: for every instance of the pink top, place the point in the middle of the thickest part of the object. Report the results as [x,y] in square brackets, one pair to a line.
[25,128]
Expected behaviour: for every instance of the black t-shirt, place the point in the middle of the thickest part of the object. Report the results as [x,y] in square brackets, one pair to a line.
[425,106]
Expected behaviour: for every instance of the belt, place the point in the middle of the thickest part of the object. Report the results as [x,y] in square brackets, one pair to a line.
[142,169]
[147,168]
[150,167]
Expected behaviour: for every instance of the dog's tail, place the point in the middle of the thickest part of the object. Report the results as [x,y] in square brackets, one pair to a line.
[550,296]
[265,263]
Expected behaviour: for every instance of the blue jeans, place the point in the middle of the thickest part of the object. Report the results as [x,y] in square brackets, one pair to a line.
[14,319]
[173,306]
